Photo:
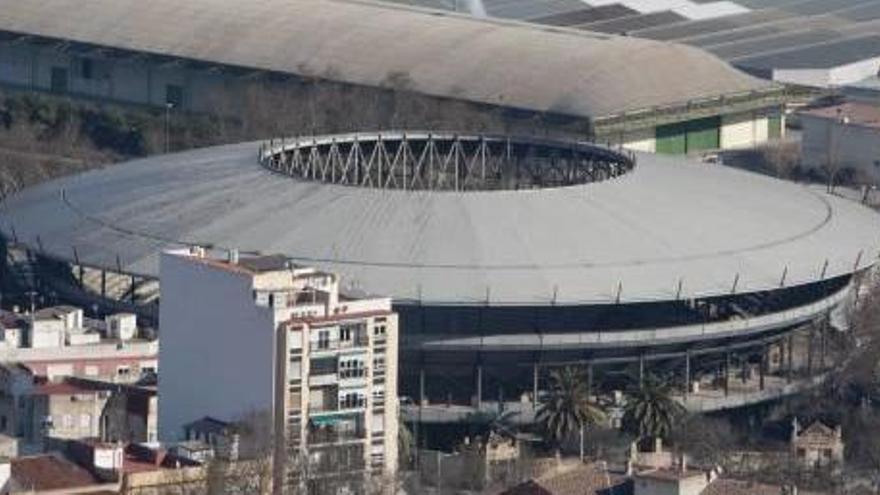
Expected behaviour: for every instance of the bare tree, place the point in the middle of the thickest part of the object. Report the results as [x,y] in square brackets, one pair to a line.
[782,157]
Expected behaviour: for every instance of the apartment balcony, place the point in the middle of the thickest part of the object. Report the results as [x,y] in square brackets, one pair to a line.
[323,380]
[336,428]
[322,436]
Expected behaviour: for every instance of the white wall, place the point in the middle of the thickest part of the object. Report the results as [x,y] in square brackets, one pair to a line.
[642,140]
[855,72]
[744,130]
[829,77]
[46,334]
[691,485]
[216,353]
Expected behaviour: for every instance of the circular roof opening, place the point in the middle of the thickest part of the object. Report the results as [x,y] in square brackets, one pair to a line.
[443,161]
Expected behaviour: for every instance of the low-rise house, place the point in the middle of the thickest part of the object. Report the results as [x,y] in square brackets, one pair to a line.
[60,341]
[575,479]
[35,409]
[48,473]
[223,437]
[680,480]
[817,445]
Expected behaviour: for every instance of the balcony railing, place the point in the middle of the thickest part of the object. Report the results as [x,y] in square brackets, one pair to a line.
[326,435]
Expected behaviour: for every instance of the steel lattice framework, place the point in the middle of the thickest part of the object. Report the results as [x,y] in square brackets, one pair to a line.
[443,162]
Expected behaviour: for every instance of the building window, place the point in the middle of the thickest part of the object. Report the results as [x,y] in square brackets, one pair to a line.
[351,368]
[58,80]
[174,95]
[378,363]
[294,370]
[323,366]
[87,70]
[352,400]
[324,339]
[123,371]
[379,330]
[354,334]
[801,453]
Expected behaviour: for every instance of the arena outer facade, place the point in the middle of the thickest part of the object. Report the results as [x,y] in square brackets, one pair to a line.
[505,256]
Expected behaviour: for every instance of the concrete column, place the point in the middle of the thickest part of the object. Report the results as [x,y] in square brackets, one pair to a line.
[535,385]
[790,355]
[810,338]
[726,373]
[762,368]
[81,275]
[687,373]
[418,424]
[421,386]
[133,285]
[823,341]
[103,283]
[641,369]
[781,344]
[479,387]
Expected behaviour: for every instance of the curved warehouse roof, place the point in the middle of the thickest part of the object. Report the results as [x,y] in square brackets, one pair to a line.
[667,220]
[443,54]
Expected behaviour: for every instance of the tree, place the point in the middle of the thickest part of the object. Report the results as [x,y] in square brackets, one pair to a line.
[405,446]
[567,408]
[650,410]
[782,157]
[707,440]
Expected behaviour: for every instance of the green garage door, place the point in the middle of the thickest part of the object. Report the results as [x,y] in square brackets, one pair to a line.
[704,134]
[693,135]
[672,139]
[774,126]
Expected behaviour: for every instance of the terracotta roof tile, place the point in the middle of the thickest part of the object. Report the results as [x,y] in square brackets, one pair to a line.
[49,472]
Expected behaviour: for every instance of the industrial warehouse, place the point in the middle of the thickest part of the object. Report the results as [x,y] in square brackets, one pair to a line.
[646,95]
[503,256]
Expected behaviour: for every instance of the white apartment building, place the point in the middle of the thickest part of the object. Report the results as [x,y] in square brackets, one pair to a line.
[262,337]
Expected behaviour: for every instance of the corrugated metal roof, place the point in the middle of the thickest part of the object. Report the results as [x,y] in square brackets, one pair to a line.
[669,220]
[444,54]
[821,55]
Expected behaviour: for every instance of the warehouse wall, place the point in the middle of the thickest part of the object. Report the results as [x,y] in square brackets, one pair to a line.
[825,141]
[641,140]
[744,130]
[39,67]
[345,107]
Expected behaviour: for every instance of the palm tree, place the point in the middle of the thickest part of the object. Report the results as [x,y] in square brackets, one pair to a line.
[650,410]
[567,408]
